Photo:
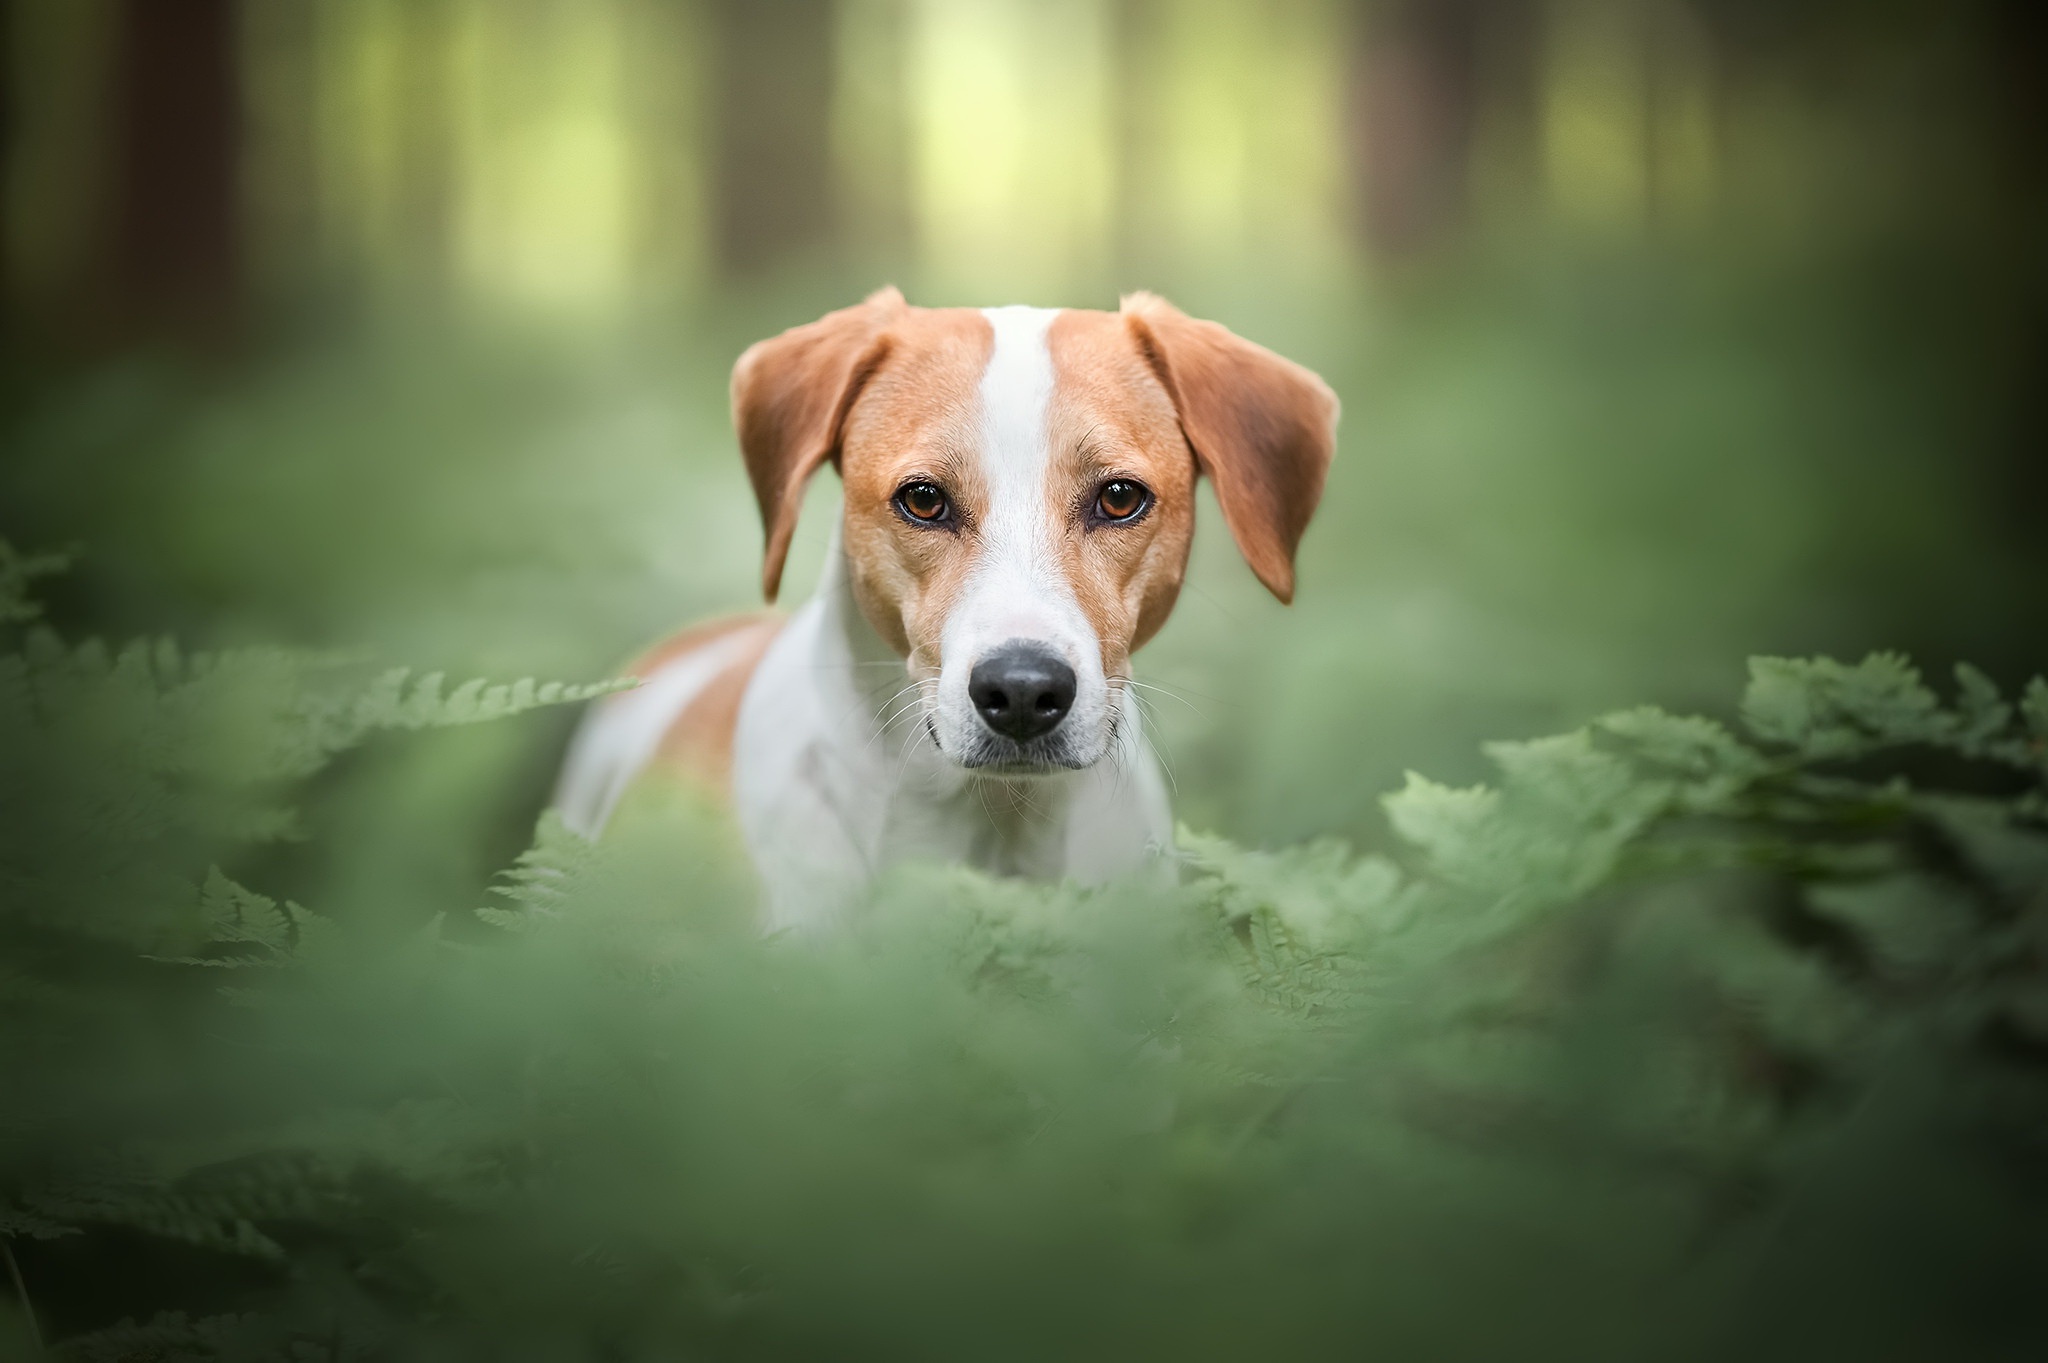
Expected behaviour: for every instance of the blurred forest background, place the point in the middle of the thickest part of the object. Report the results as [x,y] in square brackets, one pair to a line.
[397,332]
[1668,331]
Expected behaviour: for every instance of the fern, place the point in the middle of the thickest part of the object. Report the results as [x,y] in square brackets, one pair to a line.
[397,700]
[18,572]
[539,882]
[125,772]
[172,1337]
[1666,1009]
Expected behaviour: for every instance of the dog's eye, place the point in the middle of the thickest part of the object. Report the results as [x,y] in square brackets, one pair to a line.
[1121,499]
[923,502]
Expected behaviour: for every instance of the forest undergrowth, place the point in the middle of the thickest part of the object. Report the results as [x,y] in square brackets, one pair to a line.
[1678,1040]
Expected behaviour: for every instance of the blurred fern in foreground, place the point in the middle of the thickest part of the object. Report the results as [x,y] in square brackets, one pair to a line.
[1674,1043]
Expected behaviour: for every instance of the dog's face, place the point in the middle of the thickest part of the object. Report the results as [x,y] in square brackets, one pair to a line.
[1019,493]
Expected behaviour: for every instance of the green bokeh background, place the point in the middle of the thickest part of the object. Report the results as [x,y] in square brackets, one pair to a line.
[1667,334]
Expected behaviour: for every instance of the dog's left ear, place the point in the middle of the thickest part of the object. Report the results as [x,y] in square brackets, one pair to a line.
[1262,428]
[790,397]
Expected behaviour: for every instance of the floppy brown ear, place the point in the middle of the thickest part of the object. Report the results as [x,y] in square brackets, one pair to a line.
[790,397]
[1262,428]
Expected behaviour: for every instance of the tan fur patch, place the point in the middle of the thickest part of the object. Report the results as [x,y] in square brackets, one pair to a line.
[698,742]
[1110,418]
[915,419]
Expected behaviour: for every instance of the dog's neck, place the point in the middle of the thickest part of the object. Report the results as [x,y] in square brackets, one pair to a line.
[871,666]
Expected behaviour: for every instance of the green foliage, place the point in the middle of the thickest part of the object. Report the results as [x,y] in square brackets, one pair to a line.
[17,572]
[1671,1043]
[1823,709]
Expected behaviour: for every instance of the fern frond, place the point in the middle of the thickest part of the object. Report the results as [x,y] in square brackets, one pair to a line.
[539,881]
[17,572]
[171,1337]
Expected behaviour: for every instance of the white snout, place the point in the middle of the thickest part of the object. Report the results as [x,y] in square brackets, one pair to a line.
[1033,637]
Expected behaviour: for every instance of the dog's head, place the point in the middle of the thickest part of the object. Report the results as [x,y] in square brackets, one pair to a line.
[1019,492]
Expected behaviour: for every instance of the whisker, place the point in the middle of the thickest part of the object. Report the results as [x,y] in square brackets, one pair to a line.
[876,737]
[1167,691]
[1031,806]
[909,745]
[910,694]
[923,707]
[1161,750]
[1119,760]
[912,705]
[900,692]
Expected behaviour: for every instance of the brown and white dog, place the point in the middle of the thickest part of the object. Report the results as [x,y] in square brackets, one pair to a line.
[1019,496]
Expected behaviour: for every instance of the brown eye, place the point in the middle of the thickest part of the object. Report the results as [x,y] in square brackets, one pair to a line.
[1120,499]
[923,502]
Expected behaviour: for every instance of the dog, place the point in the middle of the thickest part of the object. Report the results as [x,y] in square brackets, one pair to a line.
[1018,502]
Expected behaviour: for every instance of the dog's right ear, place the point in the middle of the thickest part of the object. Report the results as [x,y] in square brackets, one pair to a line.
[790,397]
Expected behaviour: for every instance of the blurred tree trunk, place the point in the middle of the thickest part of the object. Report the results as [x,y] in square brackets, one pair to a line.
[2019,116]
[7,135]
[772,181]
[1429,79]
[175,238]
[2019,47]
[1413,104]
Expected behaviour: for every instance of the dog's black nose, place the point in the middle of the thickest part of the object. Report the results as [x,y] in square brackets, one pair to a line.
[1021,691]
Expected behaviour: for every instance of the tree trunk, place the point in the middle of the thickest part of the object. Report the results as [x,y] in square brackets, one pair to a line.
[772,177]
[176,239]
[1414,97]
[7,135]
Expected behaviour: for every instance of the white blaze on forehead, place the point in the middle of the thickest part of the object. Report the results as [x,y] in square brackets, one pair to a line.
[1016,390]
[1018,590]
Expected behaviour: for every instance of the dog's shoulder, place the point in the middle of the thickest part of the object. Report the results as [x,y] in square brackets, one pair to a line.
[699,739]
[678,721]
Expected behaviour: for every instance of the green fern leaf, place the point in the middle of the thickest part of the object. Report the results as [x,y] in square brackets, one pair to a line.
[1824,709]
[171,1337]
[15,1221]
[1449,825]
[2034,706]
[17,572]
